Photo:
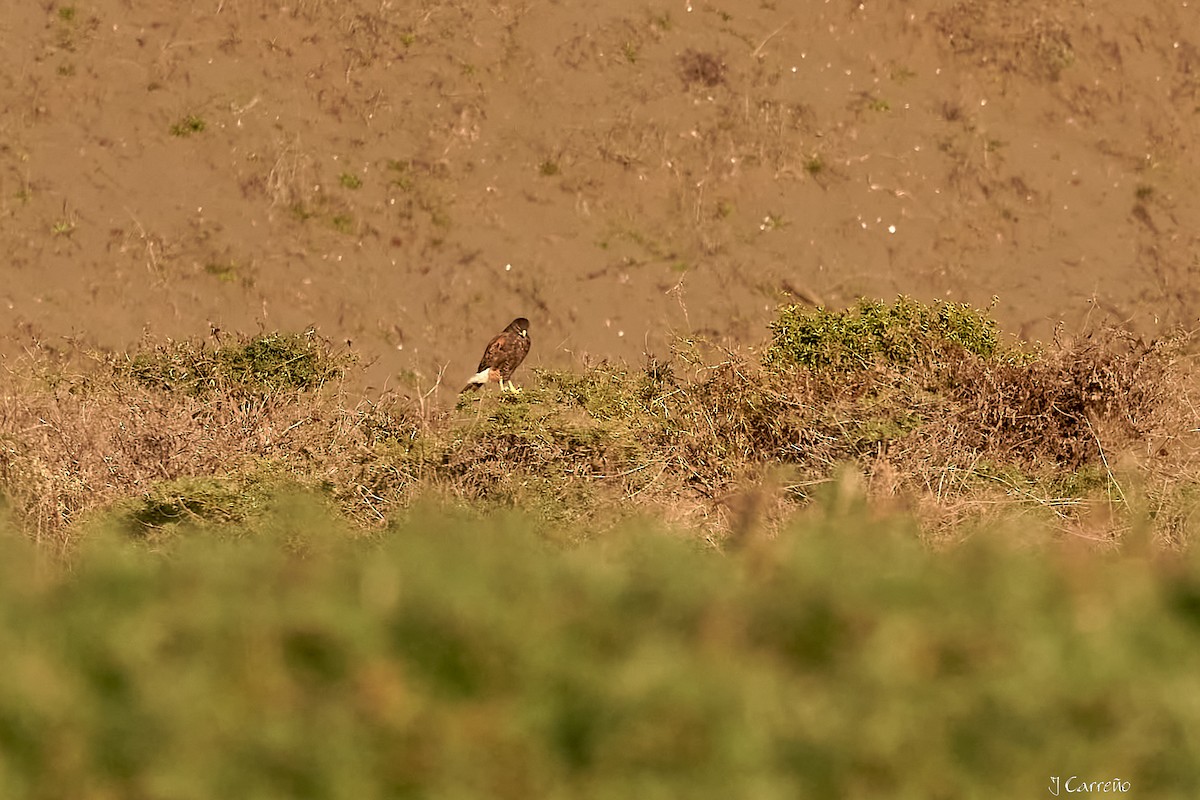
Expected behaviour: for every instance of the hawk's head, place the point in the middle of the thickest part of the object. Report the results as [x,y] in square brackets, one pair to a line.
[519,326]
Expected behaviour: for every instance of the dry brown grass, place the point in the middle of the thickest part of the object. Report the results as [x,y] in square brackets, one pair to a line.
[1095,438]
[69,450]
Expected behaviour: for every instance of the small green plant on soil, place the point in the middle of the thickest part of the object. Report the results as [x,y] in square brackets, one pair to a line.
[301,212]
[401,174]
[190,124]
[350,181]
[71,28]
[548,168]
[226,271]
[814,165]
[1052,50]
[342,223]
[772,222]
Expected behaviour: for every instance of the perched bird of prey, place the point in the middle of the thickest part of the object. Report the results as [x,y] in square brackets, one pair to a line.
[502,356]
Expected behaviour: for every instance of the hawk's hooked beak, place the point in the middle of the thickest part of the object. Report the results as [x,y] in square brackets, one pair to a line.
[524,333]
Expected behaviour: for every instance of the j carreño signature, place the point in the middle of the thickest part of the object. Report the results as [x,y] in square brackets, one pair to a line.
[1076,784]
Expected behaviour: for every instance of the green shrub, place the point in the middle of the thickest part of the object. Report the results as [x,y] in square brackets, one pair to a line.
[270,363]
[895,334]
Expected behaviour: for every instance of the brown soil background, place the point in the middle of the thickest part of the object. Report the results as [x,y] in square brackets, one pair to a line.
[410,176]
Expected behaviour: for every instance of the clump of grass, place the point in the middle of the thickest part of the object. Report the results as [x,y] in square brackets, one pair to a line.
[548,168]
[772,222]
[350,181]
[1052,49]
[342,223]
[226,271]
[301,212]
[662,22]
[192,123]
[403,177]
[700,68]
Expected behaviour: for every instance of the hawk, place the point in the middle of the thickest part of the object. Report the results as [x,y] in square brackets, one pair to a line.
[502,356]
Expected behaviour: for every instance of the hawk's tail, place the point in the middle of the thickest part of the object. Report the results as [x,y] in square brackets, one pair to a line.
[477,380]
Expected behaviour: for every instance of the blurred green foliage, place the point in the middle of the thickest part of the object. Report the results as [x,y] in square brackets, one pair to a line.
[458,656]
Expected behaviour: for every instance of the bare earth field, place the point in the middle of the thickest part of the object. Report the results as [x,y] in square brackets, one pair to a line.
[410,176]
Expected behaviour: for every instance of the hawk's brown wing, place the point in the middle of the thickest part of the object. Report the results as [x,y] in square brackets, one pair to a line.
[505,353]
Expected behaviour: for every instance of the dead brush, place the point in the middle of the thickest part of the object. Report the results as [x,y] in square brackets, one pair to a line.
[1044,410]
[68,453]
[76,443]
[923,394]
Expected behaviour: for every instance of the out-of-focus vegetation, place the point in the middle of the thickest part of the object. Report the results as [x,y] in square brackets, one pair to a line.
[457,655]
